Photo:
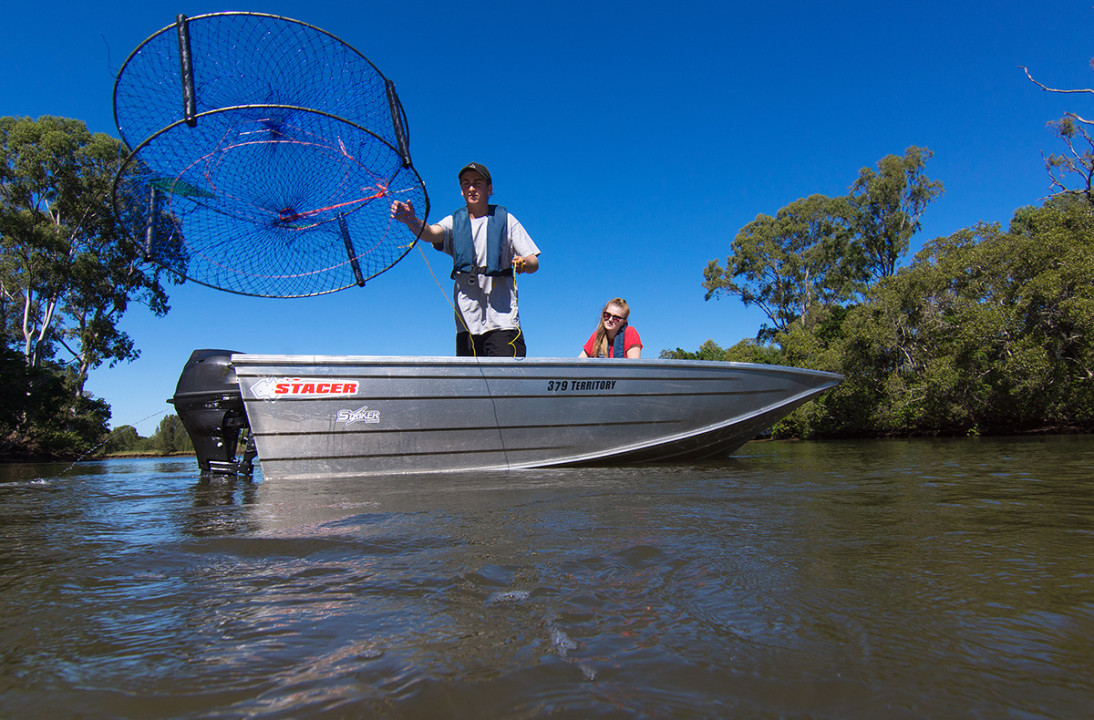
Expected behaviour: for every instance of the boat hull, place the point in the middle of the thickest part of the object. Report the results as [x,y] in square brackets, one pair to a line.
[329,416]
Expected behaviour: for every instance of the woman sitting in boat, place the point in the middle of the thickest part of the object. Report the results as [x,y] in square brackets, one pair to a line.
[614,338]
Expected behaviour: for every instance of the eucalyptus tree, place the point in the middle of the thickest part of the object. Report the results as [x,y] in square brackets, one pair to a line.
[821,252]
[788,264]
[888,203]
[67,273]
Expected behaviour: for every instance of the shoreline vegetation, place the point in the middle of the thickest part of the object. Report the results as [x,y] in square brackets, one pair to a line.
[986,332]
[989,331]
[21,459]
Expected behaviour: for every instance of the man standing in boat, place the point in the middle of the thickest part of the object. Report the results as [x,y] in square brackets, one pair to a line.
[489,247]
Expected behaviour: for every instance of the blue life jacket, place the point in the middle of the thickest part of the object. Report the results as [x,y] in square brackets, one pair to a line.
[618,346]
[463,244]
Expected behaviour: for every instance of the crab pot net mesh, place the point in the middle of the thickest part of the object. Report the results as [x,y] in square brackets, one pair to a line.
[249,59]
[267,155]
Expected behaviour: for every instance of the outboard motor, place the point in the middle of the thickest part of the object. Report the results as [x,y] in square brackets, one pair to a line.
[210,404]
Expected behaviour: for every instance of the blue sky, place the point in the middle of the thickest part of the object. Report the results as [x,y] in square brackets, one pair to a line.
[632,139]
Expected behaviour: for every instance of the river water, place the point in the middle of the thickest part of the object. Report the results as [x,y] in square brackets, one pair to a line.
[896,579]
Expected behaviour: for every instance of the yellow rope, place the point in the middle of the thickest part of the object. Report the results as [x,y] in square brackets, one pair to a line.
[446,298]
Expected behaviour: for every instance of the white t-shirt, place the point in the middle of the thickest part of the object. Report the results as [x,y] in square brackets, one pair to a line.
[485,303]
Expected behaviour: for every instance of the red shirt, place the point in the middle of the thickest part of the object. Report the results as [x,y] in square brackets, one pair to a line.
[630,339]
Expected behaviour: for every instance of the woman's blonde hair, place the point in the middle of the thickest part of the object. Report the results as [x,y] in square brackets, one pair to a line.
[600,345]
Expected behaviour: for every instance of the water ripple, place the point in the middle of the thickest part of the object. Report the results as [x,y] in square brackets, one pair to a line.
[895,579]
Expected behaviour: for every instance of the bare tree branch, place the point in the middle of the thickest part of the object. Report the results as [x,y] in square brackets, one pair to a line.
[1080,164]
[1081,119]
[1046,88]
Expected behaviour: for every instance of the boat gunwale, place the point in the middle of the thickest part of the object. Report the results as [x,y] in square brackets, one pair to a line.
[253,361]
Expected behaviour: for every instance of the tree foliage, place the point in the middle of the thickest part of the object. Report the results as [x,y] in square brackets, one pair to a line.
[170,438]
[125,439]
[789,263]
[989,331]
[986,331]
[819,252]
[67,275]
[41,415]
[888,203]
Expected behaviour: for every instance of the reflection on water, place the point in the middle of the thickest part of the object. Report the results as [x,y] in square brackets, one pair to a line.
[855,579]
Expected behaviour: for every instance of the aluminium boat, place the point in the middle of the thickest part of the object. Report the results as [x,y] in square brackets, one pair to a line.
[339,416]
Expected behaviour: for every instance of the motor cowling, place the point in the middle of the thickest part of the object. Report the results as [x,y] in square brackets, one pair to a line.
[210,404]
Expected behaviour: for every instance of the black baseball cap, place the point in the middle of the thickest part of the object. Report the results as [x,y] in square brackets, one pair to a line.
[477,167]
